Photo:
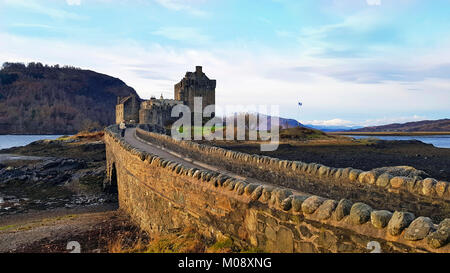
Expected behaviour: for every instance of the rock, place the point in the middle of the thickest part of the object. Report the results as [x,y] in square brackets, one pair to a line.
[324,171]
[266,194]
[405,171]
[439,238]
[399,221]
[286,204]
[429,186]
[342,209]
[419,229]
[384,180]
[360,213]
[326,209]
[398,182]
[279,195]
[367,178]
[444,224]
[354,174]
[311,204]
[240,187]
[338,173]
[257,193]
[297,201]
[380,218]
[441,186]
[250,188]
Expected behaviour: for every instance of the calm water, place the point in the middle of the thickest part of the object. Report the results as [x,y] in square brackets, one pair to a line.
[440,141]
[8,141]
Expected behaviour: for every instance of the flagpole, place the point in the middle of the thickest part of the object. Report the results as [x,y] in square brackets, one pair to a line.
[299,104]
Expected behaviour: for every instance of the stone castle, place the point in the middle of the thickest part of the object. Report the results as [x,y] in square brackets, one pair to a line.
[157,112]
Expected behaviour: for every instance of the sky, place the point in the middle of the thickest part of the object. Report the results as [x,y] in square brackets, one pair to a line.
[350,62]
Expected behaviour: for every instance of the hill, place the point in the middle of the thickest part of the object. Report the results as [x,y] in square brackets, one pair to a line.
[442,125]
[41,99]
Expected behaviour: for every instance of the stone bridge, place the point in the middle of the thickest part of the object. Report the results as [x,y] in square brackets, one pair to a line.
[271,204]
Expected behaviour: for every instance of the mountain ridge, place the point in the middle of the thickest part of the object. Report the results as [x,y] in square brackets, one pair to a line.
[441,125]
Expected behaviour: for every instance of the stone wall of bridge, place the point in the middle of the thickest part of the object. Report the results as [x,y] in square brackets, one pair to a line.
[163,196]
[420,196]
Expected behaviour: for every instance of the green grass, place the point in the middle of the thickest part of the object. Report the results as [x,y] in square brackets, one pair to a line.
[225,243]
[302,133]
[7,227]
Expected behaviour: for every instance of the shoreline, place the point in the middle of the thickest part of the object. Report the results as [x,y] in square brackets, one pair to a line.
[389,133]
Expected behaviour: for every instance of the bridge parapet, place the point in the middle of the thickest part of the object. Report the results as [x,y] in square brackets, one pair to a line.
[378,189]
[162,195]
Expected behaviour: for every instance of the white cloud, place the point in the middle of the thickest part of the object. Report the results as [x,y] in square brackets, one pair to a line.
[373,2]
[244,77]
[365,123]
[184,34]
[183,5]
[73,2]
[331,122]
[43,9]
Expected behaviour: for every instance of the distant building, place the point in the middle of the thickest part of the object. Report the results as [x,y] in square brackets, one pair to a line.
[158,111]
[127,109]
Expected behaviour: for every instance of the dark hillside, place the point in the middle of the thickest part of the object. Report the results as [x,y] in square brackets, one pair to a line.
[41,99]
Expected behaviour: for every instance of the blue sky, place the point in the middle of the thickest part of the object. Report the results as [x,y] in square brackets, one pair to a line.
[351,62]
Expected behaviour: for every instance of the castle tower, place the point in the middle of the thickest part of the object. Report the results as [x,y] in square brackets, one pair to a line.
[127,109]
[196,84]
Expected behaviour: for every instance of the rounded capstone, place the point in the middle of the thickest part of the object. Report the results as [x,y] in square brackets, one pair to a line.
[297,201]
[250,188]
[324,171]
[257,192]
[196,174]
[441,237]
[332,172]
[383,180]
[231,184]
[419,229]
[399,221]
[266,194]
[397,182]
[342,209]
[441,187]
[326,209]
[311,204]
[369,178]
[380,218]
[353,174]
[360,213]
[286,204]
[411,183]
[338,173]
[278,195]
[240,187]
[429,187]
[221,179]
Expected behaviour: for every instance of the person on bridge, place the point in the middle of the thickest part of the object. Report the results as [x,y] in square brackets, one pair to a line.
[122,127]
